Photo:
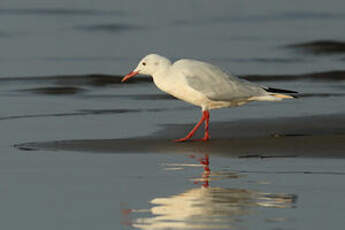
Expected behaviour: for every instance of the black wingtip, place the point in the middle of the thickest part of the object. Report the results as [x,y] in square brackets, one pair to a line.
[275,90]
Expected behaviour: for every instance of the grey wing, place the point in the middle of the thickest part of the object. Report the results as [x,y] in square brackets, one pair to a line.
[220,86]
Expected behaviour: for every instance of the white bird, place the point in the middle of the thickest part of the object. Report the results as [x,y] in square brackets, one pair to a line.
[203,84]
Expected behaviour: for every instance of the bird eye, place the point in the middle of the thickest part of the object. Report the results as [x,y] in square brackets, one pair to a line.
[144,63]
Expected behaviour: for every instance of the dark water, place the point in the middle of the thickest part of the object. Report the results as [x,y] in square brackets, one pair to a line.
[60,67]
[64,37]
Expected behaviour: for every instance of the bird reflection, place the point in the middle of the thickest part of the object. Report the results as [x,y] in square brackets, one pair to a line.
[208,207]
[205,176]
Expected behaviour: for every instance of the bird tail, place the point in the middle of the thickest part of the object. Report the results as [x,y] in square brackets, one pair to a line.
[274,95]
[280,95]
[275,90]
[268,97]
[271,97]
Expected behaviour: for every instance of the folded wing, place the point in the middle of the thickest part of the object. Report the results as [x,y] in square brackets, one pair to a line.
[216,84]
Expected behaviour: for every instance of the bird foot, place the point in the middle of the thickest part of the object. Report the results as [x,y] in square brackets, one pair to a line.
[201,139]
[184,139]
[204,139]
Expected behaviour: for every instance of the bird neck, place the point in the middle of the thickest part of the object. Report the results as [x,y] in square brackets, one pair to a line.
[164,67]
[161,78]
[161,73]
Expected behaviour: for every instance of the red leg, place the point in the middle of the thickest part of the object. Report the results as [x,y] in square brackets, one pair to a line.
[191,133]
[206,135]
[206,116]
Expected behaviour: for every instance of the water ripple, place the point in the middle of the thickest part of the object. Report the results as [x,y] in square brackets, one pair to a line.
[110,28]
[57,11]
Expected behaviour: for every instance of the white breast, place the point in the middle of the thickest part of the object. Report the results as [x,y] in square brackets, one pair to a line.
[176,85]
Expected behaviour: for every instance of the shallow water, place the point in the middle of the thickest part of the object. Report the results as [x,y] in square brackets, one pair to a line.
[70,168]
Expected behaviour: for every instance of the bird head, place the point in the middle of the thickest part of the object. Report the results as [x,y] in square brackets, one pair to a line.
[148,66]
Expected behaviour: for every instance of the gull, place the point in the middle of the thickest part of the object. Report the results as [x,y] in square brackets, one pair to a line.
[204,85]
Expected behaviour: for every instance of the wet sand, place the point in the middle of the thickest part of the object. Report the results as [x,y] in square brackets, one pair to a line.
[314,136]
